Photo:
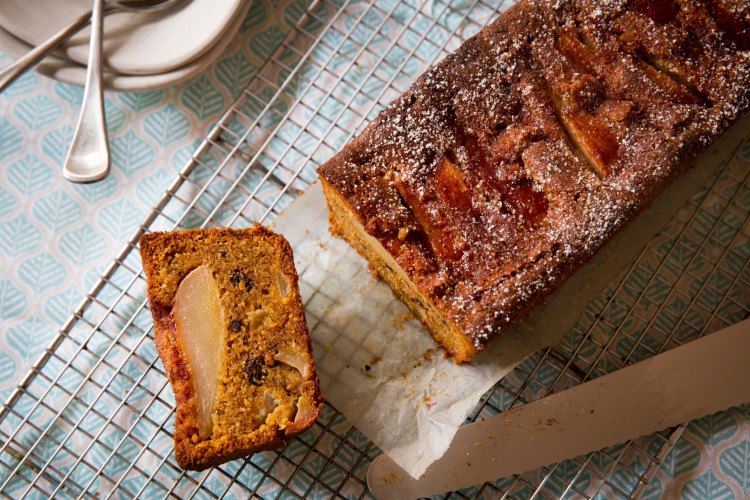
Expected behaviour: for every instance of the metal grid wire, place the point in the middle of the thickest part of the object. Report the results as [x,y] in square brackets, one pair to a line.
[94,415]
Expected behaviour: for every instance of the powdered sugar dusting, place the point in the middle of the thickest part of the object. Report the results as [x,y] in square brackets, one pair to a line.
[506,166]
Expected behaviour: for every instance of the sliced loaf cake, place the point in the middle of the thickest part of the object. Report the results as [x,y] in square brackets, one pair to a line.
[230,329]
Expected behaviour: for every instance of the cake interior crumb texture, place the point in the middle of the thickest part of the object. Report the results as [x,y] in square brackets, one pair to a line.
[267,388]
[506,166]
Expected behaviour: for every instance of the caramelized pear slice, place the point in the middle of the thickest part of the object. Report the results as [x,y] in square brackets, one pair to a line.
[589,135]
[295,359]
[450,183]
[445,190]
[306,412]
[282,284]
[199,321]
[577,52]
[681,93]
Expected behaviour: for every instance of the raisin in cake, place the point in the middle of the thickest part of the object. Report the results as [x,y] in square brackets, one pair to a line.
[505,167]
[231,332]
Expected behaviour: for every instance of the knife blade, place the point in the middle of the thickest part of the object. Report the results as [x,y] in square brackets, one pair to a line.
[688,382]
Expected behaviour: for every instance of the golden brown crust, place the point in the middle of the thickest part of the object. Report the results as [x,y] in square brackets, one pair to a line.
[169,257]
[508,165]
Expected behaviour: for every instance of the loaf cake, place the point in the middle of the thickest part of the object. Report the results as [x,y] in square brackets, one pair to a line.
[230,330]
[506,166]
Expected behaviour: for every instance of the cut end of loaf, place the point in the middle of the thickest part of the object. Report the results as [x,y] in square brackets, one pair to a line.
[344,224]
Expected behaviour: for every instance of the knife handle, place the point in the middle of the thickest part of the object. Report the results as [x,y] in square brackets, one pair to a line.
[688,382]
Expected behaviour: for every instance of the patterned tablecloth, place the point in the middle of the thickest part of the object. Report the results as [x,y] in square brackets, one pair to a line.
[56,238]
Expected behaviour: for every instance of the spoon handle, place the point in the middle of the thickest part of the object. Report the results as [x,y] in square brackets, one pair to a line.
[19,67]
[88,158]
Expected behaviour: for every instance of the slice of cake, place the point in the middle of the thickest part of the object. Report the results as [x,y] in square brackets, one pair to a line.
[230,329]
[506,166]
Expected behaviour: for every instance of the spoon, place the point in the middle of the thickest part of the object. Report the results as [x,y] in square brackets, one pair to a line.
[88,157]
[19,67]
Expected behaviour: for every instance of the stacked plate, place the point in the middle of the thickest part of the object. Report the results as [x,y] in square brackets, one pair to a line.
[142,49]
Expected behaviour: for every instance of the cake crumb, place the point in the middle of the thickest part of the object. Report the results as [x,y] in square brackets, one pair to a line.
[399,320]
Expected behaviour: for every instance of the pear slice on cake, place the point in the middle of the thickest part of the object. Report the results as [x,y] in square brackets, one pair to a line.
[199,321]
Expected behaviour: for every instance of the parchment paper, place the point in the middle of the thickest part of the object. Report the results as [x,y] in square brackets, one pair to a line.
[384,372]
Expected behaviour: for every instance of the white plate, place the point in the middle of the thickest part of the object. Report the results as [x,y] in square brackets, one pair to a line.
[135,43]
[70,72]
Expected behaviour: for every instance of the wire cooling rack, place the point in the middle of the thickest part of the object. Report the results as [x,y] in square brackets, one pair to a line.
[93,418]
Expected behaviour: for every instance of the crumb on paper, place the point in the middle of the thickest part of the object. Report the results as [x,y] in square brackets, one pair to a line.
[427,355]
[552,421]
[399,319]
[428,404]
[368,366]
[327,310]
